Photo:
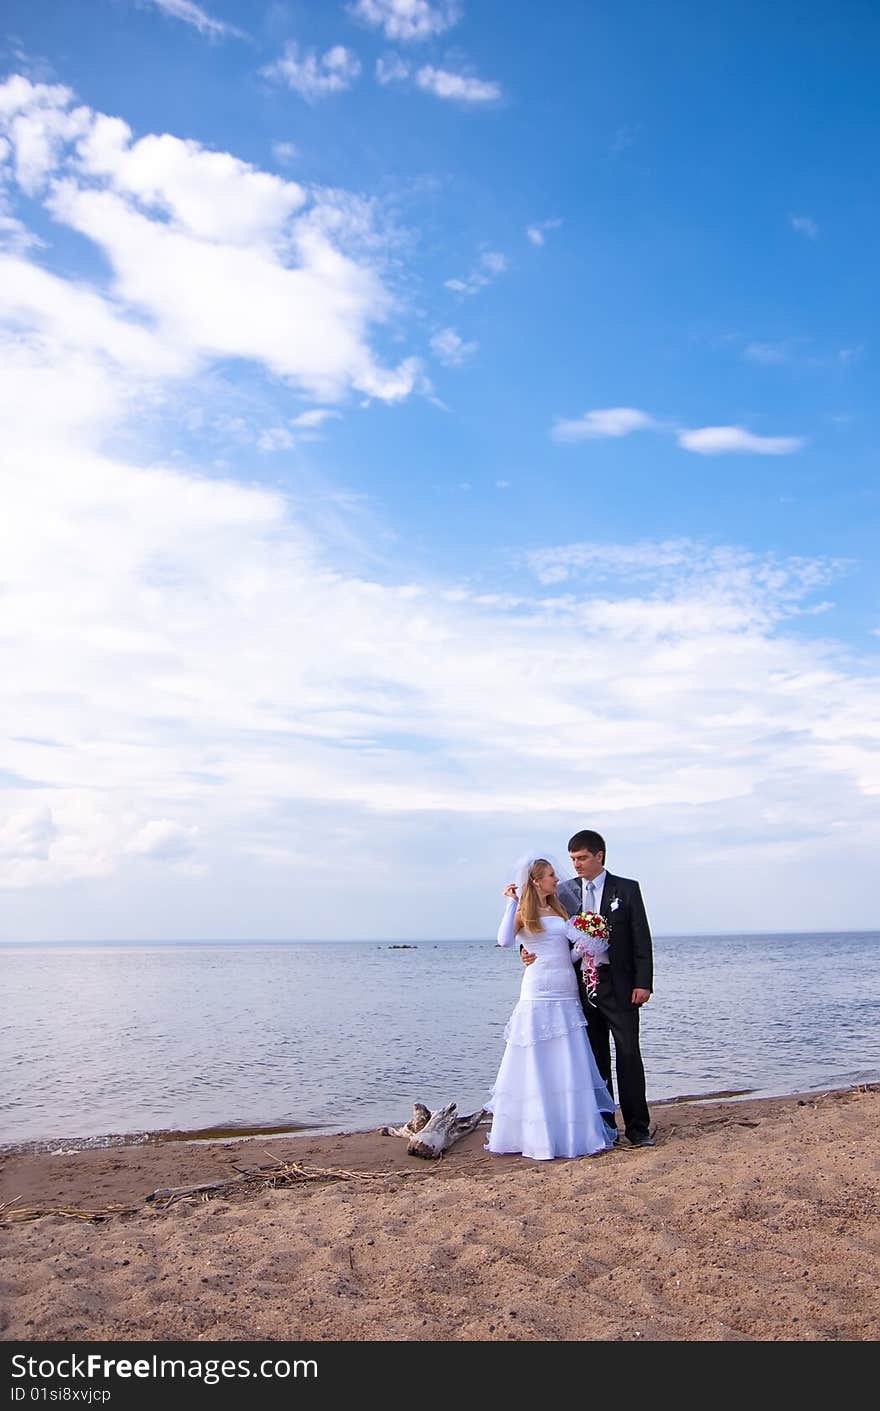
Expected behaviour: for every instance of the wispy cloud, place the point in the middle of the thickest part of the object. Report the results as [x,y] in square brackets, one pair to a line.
[276,438]
[804,225]
[14,234]
[391,69]
[457,87]
[408,20]
[303,428]
[722,440]
[798,352]
[624,137]
[537,233]
[451,349]
[487,269]
[598,425]
[314,417]
[454,87]
[313,77]
[770,354]
[613,422]
[672,564]
[194,15]
[285,152]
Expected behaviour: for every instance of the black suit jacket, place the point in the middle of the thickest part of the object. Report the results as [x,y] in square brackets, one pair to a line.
[631,956]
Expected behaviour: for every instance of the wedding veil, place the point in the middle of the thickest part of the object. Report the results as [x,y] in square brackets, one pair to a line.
[523,866]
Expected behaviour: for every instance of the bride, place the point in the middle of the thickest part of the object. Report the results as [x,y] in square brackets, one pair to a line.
[548,1099]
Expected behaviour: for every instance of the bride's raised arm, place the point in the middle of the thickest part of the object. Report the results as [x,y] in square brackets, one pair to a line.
[509,923]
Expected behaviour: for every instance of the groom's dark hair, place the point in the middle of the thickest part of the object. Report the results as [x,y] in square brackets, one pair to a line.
[587,841]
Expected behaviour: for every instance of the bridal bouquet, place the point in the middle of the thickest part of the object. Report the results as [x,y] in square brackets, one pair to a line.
[591,937]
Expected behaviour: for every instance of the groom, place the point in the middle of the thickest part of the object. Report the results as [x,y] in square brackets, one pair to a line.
[625,983]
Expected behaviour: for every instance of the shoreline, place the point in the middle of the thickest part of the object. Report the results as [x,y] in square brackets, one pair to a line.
[223,1133]
[751,1219]
[230,1132]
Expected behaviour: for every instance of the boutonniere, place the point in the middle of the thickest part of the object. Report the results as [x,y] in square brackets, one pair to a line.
[615,903]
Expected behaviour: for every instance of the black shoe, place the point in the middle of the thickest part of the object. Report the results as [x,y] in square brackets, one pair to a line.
[646,1140]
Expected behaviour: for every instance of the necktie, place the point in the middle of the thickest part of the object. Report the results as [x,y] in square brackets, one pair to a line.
[589,896]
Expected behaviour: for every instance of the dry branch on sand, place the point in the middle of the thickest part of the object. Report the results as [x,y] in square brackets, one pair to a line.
[276,1175]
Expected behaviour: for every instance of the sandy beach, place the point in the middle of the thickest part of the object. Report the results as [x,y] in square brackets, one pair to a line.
[749,1220]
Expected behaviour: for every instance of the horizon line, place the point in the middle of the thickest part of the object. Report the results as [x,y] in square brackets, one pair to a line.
[390,941]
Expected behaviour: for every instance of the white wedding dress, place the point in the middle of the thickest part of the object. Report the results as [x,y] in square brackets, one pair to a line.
[548,1099]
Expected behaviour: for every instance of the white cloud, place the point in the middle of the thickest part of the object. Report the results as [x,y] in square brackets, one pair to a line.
[276,438]
[770,354]
[391,69]
[598,425]
[671,565]
[14,234]
[487,269]
[314,417]
[162,839]
[306,321]
[28,834]
[208,194]
[408,20]
[194,15]
[214,258]
[792,352]
[705,440]
[537,233]
[313,77]
[720,440]
[630,560]
[304,427]
[451,349]
[805,225]
[285,152]
[38,123]
[73,316]
[456,87]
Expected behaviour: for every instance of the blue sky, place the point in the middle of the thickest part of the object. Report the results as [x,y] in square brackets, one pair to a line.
[432,428]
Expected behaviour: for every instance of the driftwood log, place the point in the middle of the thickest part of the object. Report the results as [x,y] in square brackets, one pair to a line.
[429,1133]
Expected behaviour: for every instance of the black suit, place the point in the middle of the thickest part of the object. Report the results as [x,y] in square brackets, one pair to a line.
[630,967]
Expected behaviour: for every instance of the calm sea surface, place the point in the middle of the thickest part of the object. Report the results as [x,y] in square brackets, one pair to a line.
[133,1039]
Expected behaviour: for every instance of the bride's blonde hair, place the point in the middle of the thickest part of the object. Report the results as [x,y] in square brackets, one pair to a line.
[531,901]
